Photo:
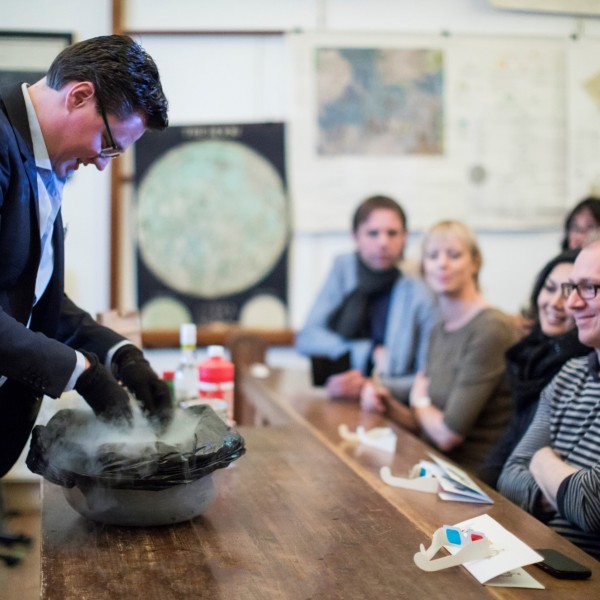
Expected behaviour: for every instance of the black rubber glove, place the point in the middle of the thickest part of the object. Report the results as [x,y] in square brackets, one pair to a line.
[103,393]
[134,371]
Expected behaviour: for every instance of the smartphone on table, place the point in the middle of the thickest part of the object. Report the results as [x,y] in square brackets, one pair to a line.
[558,565]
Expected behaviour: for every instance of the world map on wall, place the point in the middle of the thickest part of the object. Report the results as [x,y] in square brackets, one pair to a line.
[379,101]
[212,218]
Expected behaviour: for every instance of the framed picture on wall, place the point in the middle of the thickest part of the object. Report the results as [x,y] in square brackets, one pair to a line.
[212,226]
[26,55]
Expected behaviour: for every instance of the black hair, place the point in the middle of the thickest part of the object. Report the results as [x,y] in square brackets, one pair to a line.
[125,77]
[568,256]
[590,203]
[366,207]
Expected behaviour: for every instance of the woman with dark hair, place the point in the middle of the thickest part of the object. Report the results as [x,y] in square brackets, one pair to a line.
[583,219]
[533,361]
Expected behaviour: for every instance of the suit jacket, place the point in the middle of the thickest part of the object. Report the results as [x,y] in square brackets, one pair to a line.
[412,312]
[40,359]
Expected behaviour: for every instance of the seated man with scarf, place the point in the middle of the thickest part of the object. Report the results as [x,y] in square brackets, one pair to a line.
[369,316]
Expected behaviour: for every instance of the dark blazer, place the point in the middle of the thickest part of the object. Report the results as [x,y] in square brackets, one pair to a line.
[40,359]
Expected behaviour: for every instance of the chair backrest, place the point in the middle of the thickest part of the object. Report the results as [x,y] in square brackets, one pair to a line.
[245,350]
[128,324]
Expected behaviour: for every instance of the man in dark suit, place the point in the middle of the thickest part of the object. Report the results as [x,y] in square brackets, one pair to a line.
[98,97]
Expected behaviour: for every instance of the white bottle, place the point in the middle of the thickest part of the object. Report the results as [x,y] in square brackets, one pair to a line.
[186,373]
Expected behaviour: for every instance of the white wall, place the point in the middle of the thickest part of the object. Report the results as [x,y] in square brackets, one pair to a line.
[86,206]
[229,93]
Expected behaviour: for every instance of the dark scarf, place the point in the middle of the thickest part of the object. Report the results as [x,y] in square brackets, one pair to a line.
[533,362]
[351,319]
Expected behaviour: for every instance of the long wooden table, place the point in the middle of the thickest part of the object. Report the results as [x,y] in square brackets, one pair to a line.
[286,396]
[301,515]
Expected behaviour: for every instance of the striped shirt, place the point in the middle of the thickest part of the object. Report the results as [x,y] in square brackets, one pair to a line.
[567,420]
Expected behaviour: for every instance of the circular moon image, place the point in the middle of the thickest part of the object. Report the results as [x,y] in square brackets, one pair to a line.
[164,313]
[263,310]
[212,218]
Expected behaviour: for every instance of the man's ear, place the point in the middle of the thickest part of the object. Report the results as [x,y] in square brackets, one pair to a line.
[79,94]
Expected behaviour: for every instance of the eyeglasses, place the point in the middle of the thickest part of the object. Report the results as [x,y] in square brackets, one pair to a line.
[585,290]
[113,150]
[583,230]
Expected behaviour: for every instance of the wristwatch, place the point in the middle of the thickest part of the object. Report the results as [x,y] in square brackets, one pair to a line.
[421,402]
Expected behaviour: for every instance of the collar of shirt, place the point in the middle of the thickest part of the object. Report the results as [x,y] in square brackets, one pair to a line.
[49,197]
[594,366]
[40,152]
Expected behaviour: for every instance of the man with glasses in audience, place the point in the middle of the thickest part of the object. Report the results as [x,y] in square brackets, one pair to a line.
[554,472]
[98,97]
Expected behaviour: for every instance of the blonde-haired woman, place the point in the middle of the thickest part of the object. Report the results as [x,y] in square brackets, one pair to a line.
[461,403]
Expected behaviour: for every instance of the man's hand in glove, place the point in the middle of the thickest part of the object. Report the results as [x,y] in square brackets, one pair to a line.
[103,393]
[133,370]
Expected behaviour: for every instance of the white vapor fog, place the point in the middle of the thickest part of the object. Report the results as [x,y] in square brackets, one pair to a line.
[88,435]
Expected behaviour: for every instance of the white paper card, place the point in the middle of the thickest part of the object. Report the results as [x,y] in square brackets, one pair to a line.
[518,578]
[511,553]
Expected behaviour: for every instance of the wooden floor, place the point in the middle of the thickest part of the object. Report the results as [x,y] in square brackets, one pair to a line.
[21,582]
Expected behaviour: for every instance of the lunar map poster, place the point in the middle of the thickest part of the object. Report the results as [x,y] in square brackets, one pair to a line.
[212,226]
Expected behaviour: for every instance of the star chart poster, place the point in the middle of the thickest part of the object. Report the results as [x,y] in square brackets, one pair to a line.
[212,226]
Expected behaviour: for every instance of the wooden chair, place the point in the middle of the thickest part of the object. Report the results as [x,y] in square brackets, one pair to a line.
[245,350]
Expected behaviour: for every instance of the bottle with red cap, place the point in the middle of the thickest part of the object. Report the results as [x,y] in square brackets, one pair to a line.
[215,376]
